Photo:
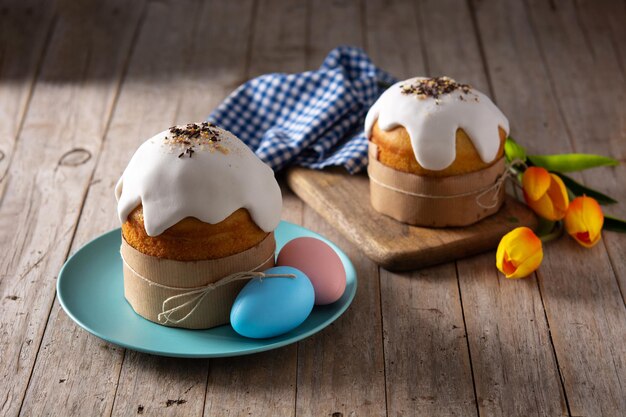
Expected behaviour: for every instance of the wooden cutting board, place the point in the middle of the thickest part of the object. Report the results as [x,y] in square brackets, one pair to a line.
[343,200]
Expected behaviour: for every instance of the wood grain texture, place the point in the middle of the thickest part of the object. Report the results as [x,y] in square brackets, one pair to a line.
[513,364]
[341,369]
[279,36]
[512,357]
[611,17]
[427,362]
[587,314]
[158,57]
[24,33]
[153,385]
[615,129]
[584,309]
[158,386]
[264,384]
[343,200]
[334,23]
[398,51]
[224,395]
[411,343]
[49,175]
[83,360]
[594,110]
[219,58]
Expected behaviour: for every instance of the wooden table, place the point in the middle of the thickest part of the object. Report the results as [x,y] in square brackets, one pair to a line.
[81,86]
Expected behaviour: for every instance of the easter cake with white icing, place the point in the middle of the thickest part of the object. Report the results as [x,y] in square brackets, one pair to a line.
[434,144]
[196,192]
[197,207]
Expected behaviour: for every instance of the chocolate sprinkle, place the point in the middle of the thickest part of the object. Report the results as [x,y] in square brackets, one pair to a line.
[194,137]
[434,87]
[200,131]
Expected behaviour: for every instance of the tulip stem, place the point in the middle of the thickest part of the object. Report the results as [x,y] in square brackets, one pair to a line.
[549,231]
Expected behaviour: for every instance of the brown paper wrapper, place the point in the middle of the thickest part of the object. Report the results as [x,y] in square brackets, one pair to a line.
[440,201]
[146,295]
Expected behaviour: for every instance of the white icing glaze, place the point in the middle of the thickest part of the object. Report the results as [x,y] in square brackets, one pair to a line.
[432,123]
[208,185]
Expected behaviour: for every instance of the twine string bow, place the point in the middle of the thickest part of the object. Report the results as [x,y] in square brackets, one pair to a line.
[198,294]
[509,172]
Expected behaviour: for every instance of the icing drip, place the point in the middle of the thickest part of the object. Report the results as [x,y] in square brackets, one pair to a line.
[201,171]
[431,110]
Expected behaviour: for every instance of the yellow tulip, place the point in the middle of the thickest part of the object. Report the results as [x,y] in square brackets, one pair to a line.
[519,253]
[584,220]
[545,193]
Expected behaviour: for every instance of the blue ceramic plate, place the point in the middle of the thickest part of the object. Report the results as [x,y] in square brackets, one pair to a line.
[91,290]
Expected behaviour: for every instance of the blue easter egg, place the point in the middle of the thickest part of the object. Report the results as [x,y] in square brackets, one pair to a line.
[268,307]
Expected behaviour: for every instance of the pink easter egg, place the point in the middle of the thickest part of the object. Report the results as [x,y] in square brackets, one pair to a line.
[320,263]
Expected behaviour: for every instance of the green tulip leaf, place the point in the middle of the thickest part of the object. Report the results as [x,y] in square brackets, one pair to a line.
[571,162]
[548,230]
[614,224]
[578,189]
[514,150]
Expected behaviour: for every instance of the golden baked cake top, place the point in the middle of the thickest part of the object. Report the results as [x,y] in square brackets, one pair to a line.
[432,110]
[197,170]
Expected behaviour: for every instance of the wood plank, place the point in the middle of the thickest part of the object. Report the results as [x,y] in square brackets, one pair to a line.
[278,40]
[220,61]
[49,174]
[513,365]
[141,111]
[427,363]
[25,29]
[512,357]
[171,376]
[459,56]
[344,201]
[425,304]
[156,385]
[397,51]
[262,384]
[593,111]
[152,385]
[247,374]
[584,309]
[278,45]
[615,13]
[333,24]
[341,369]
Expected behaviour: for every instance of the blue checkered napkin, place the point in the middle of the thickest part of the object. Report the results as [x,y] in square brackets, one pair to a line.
[313,119]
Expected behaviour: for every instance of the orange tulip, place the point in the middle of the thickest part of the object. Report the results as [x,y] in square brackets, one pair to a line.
[545,193]
[519,253]
[584,220]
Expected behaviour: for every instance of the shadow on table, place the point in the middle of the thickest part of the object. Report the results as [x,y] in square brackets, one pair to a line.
[73,31]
